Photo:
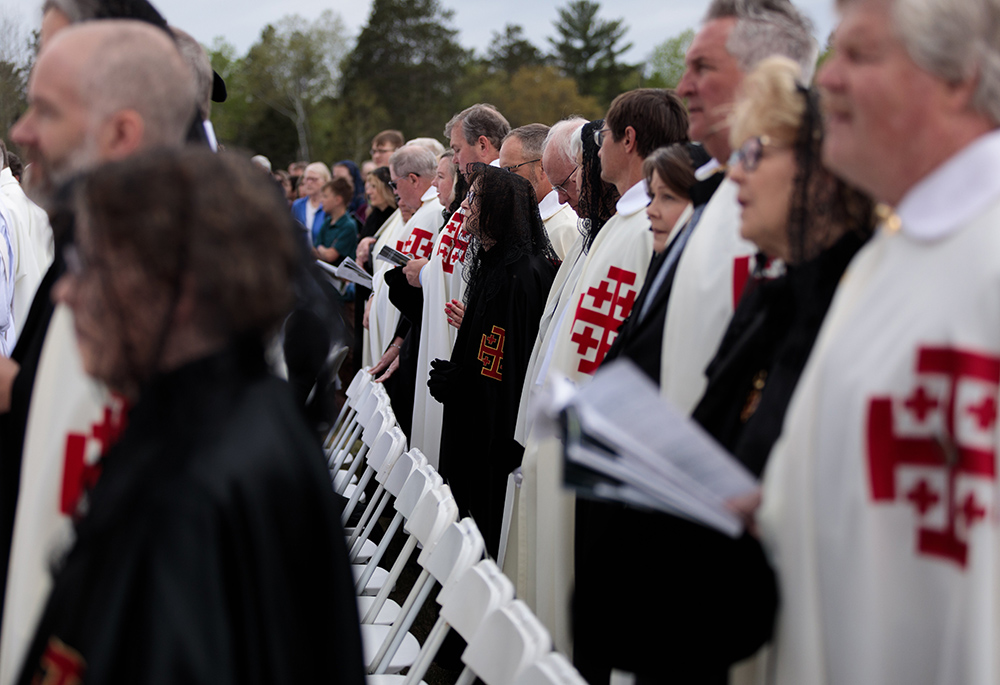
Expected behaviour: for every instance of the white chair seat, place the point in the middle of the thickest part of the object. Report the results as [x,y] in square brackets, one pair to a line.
[372,637]
[386,615]
[386,679]
[375,583]
[340,477]
[367,550]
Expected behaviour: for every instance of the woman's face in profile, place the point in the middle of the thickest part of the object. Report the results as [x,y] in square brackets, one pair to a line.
[765,171]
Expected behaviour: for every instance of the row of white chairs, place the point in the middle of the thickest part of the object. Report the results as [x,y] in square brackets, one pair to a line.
[506,643]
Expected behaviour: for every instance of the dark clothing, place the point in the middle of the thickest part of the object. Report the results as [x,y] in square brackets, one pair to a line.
[212,550]
[767,345]
[342,235]
[402,385]
[491,355]
[14,424]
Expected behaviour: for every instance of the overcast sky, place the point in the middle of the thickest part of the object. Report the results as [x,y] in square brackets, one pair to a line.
[240,21]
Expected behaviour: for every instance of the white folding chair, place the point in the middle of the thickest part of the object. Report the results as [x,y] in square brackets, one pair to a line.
[552,669]
[388,446]
[361,379]
[391,479]
[374,427]
[392,647]
[366,413]
[509,640]
[477,591]
[369,579]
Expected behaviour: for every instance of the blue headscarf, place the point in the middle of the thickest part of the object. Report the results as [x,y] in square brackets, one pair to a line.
[359,185]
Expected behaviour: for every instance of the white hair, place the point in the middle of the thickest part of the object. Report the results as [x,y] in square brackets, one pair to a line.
[564,136]
[431,144]
[413,159]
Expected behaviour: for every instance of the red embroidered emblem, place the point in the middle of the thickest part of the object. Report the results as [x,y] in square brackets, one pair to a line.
[453,244]
[935,448]
[741,274]
[418,245]
[60,665]
[491,353]
[82,459]
[599,313]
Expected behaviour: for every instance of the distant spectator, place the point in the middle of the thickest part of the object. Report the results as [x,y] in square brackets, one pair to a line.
[262,162]
[357,208]
[384,144]
[308,209]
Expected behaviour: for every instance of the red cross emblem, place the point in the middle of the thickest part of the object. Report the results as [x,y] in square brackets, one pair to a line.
[599,313]
[491,353]
[418,245]
[453,244]
[934,449]
[60,665]
[82,459]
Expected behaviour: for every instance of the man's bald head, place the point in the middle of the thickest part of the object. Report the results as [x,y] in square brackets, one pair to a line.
[101,91]
[130,65]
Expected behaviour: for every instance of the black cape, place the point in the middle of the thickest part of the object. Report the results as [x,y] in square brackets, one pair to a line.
[212,551]
[478,450]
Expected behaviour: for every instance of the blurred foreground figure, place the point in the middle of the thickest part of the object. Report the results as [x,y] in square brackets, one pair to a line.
[880,499]
[210,550]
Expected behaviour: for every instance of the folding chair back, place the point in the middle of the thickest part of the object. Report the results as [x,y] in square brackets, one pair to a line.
[458,548]
[509,640]
[399,472]
[482,589]
[435,511]
[552,669]
[422,479]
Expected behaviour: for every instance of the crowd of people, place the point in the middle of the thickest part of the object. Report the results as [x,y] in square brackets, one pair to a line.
[801,263]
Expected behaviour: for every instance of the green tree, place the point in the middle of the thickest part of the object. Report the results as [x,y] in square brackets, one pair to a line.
[17,48]
[588,49]
[666,65]
[534,94]
[295,65]
[405,70]
[510,50]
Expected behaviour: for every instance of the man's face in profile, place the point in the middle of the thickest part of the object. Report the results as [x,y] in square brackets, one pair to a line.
[57,131]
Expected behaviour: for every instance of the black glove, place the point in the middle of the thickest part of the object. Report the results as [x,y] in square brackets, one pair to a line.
[443,381]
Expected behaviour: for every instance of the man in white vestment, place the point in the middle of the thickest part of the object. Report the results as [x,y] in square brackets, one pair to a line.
[521,154]
[585,323]
[30,239]
[100,91]
[716,261]
[475,135]
[880,506]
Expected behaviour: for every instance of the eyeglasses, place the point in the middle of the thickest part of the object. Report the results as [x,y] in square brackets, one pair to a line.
[600,135]
[377,150]
[561,186]
[518,166]
[394,184]
[751,152]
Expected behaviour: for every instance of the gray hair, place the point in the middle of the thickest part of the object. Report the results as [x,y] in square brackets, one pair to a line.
[480,120]
[765,28]
[75,10]
[197,61]
[432,144]
[564,136]
[956,42]
[532,137]
[413,159]
[136,66]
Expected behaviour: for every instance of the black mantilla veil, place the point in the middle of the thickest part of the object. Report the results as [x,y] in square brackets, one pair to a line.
[823,207]
[597,197]
[503,216]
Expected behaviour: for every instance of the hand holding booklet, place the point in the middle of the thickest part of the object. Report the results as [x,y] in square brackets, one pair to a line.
[625,443]
[394,257]
[348,270]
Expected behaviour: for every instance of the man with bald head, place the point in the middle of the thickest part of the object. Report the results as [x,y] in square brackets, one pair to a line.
[99,91]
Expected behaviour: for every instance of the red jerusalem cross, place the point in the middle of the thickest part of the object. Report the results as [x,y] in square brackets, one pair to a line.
[418,245]
[596,326]
[452,242]
[78,474]
[61,665]
[950,453]
[491,353]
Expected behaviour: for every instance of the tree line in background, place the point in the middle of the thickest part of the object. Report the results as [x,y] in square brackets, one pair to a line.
[306,90]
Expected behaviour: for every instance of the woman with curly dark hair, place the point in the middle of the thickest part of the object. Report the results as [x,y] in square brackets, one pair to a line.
[509,269]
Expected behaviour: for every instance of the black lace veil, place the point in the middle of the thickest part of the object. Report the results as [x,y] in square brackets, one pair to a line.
[823,207]
[504,225]
[597,197]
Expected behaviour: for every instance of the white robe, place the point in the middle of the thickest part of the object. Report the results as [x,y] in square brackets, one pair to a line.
[31,243]
[710,277]
[415,238]
[880,507]
[560,223]
[587,303]
[441,280]
[71,422]
[370,344]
